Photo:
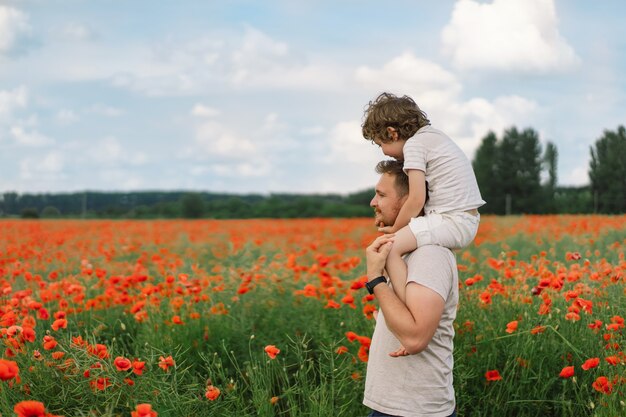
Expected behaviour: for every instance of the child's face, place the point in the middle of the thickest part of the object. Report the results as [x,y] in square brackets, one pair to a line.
[392,149]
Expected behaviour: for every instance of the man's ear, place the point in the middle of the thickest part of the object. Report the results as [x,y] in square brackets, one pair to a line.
[392,133]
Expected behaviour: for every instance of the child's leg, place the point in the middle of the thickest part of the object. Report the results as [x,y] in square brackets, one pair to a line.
[403,242]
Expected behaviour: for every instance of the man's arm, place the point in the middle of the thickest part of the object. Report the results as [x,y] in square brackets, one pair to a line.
[415,323]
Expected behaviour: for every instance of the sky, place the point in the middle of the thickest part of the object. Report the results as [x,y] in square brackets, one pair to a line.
[268,96]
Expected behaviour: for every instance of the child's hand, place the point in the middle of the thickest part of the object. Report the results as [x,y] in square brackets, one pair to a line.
[400,352]
[386,229]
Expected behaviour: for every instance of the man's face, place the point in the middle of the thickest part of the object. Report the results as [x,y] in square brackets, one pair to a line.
[386,202]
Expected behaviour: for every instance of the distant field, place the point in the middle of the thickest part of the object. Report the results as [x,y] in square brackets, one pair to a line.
[269,317]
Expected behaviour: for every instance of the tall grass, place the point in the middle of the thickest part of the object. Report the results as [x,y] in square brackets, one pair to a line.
[212,295]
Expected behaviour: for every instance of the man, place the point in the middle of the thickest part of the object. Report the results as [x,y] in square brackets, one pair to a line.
[409,372]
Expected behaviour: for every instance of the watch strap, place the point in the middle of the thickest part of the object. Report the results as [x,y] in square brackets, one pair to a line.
[371,284]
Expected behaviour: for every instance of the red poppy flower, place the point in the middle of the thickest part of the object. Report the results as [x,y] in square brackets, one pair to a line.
[49,342]
[212,393]
[8,369]
[493,375]
[603,385]
[511,326]
[143,410]
[612,360]
[28,334]
[138,367]
[165,363]
[122,364]
[341,350]
[272,351]
[567,372]
[100,383]
[59,324]
[363,353]
[30,409]
[538,329]
[485,297]
[590,363]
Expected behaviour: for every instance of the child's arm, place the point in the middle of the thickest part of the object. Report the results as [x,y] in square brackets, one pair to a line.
[413,204]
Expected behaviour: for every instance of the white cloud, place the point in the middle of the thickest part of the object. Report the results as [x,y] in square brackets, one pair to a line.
[11,100]
[109,152]
[66,116]
[347,162]
[408,73]
[216,140]
[106,110]
[507,35]
[312,130]
[261,62]
[249,60]
[347,144]
[47,167]
[76,31]
[577,176]
[438,92]
[243,169]
[13,25]
[29,138]
[201,110]
[121,179]
[257,53]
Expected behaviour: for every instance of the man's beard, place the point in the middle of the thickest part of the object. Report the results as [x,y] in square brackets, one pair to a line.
[378,219]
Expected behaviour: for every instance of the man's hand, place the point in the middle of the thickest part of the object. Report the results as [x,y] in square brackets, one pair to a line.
[376,255]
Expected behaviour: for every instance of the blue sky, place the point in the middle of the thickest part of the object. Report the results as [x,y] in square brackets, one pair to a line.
[249,96]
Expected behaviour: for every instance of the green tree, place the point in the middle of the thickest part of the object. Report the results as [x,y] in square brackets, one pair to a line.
[50,212]
[9,201]
[192,205]
[29,213]
[484,165]
[607,172]
[509,172]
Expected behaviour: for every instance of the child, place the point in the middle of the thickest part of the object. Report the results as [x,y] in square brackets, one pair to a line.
[451,218]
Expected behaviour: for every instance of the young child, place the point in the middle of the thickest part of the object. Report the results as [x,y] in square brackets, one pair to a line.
[451,218]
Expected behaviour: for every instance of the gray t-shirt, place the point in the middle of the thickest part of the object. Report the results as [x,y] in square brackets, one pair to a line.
[417,385]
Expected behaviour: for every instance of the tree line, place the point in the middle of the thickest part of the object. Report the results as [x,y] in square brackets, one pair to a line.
[515,174]
[179,204]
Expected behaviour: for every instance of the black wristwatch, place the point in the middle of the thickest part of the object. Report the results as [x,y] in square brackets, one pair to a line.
[371,284]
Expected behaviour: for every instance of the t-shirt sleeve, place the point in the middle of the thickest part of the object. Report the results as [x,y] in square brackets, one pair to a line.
[433,267]
[414,155]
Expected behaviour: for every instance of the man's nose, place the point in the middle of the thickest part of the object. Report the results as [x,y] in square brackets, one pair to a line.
[373,202]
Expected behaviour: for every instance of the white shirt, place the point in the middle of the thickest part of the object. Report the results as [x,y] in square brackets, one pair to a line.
[451,180]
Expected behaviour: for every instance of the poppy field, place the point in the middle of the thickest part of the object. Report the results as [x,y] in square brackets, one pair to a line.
[270,317]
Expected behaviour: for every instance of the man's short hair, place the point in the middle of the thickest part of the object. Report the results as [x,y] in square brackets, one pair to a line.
[393,167]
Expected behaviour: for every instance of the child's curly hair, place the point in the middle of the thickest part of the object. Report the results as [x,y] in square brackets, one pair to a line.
[389,110]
